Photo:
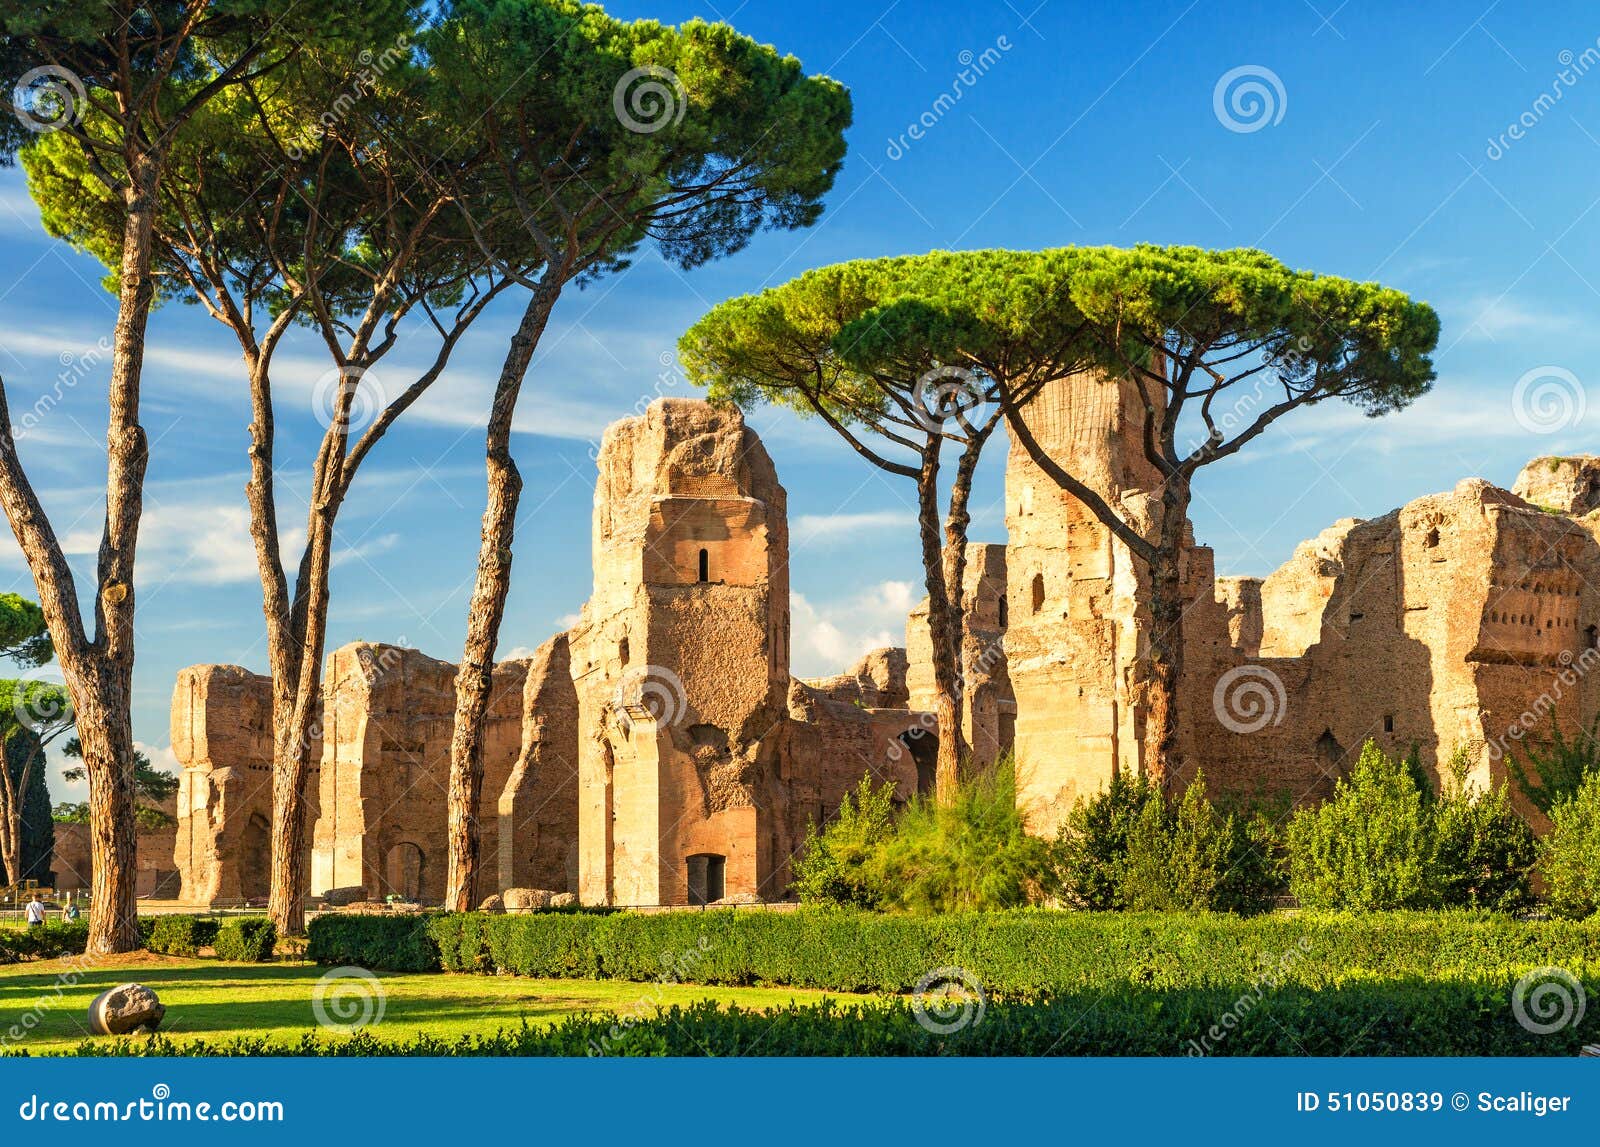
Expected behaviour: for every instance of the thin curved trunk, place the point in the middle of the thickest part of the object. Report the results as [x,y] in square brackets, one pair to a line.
[475,676]
[943,639]
[1161,732]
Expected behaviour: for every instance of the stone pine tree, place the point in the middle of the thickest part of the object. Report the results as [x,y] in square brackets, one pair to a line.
[273,217]
[606,136]
[120,79]
[900,357]
[1219,345]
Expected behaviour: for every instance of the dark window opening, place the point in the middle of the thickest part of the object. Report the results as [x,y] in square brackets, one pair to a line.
[707,878]
[622,652]
[923,746]
[1591,635]
[1388,723]
[1004,611]
[705,565]
[1038,592]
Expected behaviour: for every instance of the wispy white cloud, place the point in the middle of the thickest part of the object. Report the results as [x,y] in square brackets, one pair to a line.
[830,636]
[824,529]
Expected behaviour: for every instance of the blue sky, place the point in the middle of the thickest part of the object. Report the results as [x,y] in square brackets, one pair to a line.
[1381,151]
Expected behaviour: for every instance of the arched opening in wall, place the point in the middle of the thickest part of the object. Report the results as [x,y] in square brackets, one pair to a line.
[1330,756]
[923,745]
[708,873]
[1038,592]
[705,565]
[1591,636]
[402,871]
[622,652]
[255,858]
[1004,614]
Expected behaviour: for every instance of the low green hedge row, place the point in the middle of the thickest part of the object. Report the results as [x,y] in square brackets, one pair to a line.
[248,939]
[47,942]
[1440,1019]
[179,935]
[1013,954]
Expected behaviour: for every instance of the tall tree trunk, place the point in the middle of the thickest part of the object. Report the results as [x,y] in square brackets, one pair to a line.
[475,677]
[10,818]
[1161,732]
[942,637]
[298,694]
[99,674]
[108,762]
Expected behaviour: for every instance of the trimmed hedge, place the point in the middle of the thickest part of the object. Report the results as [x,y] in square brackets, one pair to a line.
[47,942]
[181,935]
[248,939]
[1021,954]
[1455,1019]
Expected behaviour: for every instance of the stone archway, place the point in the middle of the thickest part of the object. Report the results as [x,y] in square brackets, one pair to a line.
[255,858]
[402,871]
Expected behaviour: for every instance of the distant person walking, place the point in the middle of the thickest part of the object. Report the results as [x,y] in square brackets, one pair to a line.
[36,911]
[70,912]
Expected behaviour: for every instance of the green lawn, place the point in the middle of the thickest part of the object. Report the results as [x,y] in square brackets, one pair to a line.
[212,998]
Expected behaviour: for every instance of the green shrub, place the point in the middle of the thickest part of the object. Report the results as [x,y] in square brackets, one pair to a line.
[1129,848]
[1569,857]
[1453,1018]
[246,939]
[1023,953]
[838,864]
[1484,852]
[395,943]
[180,935]
[972,853]
[1551,773]
[51,941]
[1091,849]
[1370,848]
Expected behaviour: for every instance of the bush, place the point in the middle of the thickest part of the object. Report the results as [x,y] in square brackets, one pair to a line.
[1369,848]
[837,865]
[1131,849]
[1023,953]
[394,943]
[1550,774]
[1444,1019]
[53,940]
[1091,850]
[1483,851]
[180,935]
[1569,857]
[970,854]
[248,940]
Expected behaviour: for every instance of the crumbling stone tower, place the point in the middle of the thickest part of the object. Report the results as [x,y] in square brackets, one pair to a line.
[681,661]
[1076,613]
[989,711]
[222,736]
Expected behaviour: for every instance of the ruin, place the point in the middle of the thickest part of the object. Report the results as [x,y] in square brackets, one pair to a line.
[661,752]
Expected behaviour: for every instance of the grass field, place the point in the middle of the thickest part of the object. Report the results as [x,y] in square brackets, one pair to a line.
[212,998]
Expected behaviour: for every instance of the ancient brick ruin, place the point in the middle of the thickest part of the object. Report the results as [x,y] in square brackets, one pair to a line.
[660,752]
